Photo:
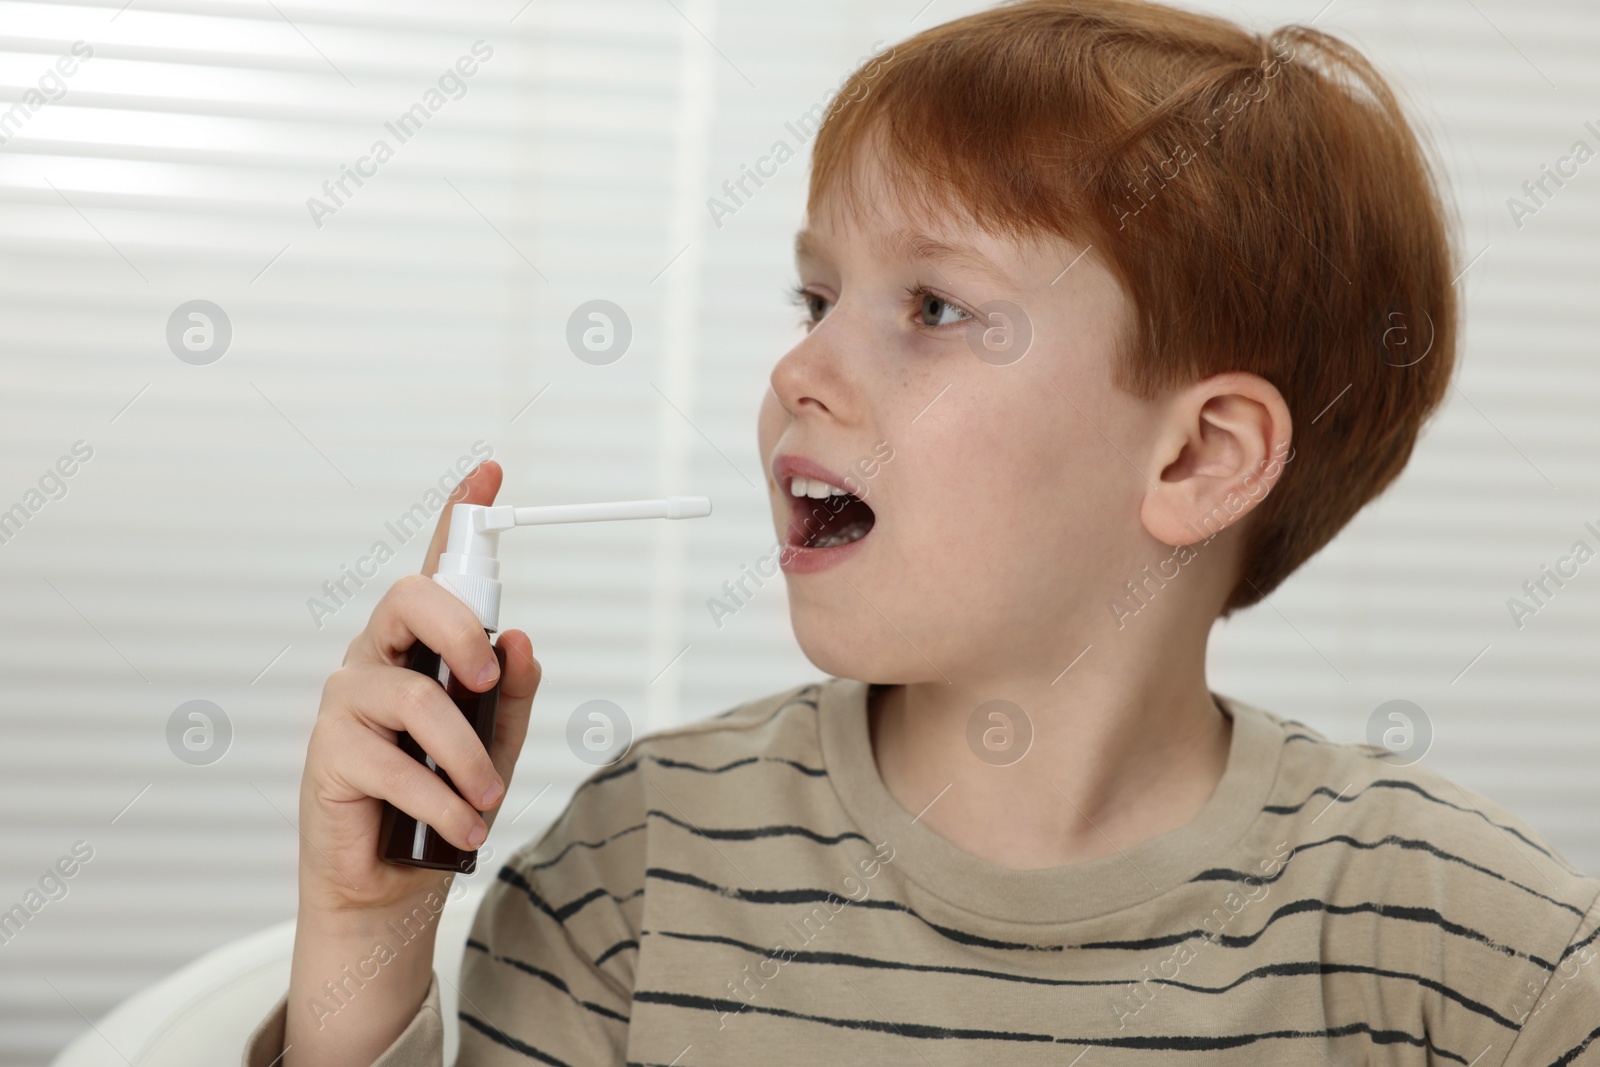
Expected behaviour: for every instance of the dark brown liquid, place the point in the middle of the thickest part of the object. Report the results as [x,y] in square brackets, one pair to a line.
[401,839]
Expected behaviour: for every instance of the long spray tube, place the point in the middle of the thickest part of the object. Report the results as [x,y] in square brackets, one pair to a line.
[673,507]
[470,567]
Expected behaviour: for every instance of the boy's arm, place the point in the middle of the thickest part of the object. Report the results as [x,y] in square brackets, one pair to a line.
[530,984]
[421,1044]
[1563,1026]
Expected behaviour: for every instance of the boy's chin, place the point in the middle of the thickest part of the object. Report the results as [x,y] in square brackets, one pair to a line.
[839,645]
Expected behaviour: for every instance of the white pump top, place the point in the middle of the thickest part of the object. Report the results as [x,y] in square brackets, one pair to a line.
[470,566]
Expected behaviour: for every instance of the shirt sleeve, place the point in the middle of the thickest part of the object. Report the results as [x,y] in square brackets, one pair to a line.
[1562,1026]
[420,1044]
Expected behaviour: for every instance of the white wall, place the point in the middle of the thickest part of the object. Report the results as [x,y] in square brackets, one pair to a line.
[372,352]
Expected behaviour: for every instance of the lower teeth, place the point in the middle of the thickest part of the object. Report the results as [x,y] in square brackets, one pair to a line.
[854,532]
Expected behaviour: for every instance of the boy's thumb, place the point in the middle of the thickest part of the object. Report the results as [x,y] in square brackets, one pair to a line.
[479,487]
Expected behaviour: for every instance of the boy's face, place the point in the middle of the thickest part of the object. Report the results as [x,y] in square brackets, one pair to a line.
[1006,513]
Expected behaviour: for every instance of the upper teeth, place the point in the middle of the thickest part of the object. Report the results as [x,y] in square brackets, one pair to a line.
[815,488]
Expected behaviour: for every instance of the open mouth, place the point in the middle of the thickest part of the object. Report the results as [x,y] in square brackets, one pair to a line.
[825,516]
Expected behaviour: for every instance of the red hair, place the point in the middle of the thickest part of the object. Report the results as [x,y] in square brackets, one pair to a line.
[1260,198]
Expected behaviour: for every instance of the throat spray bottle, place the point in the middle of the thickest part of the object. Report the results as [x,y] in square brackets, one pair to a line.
[469,568]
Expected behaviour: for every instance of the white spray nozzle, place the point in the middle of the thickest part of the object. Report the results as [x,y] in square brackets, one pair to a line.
[673,507]
[470,566]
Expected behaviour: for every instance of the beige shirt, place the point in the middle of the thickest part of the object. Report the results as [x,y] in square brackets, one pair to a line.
[745,890]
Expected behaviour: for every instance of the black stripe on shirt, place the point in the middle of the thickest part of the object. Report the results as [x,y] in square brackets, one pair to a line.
[1222,874]
[549,978]
[1576,1050]
[695,1002]
[1167,1043]
[756,833]
[1406,913]
[499,1037]
[623,769]
[685,765]
[1276,970]
[620,946]
[569,909]
[821,896]
[805,696]
[1393,783]
[1578,946]
[570,845]
[1296,907]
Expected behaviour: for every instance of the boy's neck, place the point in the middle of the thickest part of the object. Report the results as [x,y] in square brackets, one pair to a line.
[1114,761]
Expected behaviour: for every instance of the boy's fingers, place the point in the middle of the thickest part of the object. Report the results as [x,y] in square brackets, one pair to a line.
[517,686]
[392,699]
[479,487]
[375,767]
[415,609]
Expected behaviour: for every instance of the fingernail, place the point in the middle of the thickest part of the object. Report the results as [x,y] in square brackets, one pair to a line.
[475,838]
[491,795]
[490,672]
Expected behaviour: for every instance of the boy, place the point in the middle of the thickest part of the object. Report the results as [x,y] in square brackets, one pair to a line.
[1101,302]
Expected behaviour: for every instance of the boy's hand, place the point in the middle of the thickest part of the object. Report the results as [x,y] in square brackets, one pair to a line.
[353,762]
[349,898]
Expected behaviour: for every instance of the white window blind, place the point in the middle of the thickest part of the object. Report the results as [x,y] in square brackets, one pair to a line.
[382,333]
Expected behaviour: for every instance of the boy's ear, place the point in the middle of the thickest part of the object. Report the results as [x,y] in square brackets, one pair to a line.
[1221,445]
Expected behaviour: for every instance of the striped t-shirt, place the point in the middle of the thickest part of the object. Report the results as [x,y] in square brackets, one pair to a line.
[746,890]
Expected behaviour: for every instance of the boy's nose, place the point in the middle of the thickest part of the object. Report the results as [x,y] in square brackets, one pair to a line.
[810,378]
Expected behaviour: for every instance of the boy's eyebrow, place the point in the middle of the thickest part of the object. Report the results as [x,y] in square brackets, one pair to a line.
[912,245]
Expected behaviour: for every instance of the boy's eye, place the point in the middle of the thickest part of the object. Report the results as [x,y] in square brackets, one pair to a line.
[814,305]
[933,310]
